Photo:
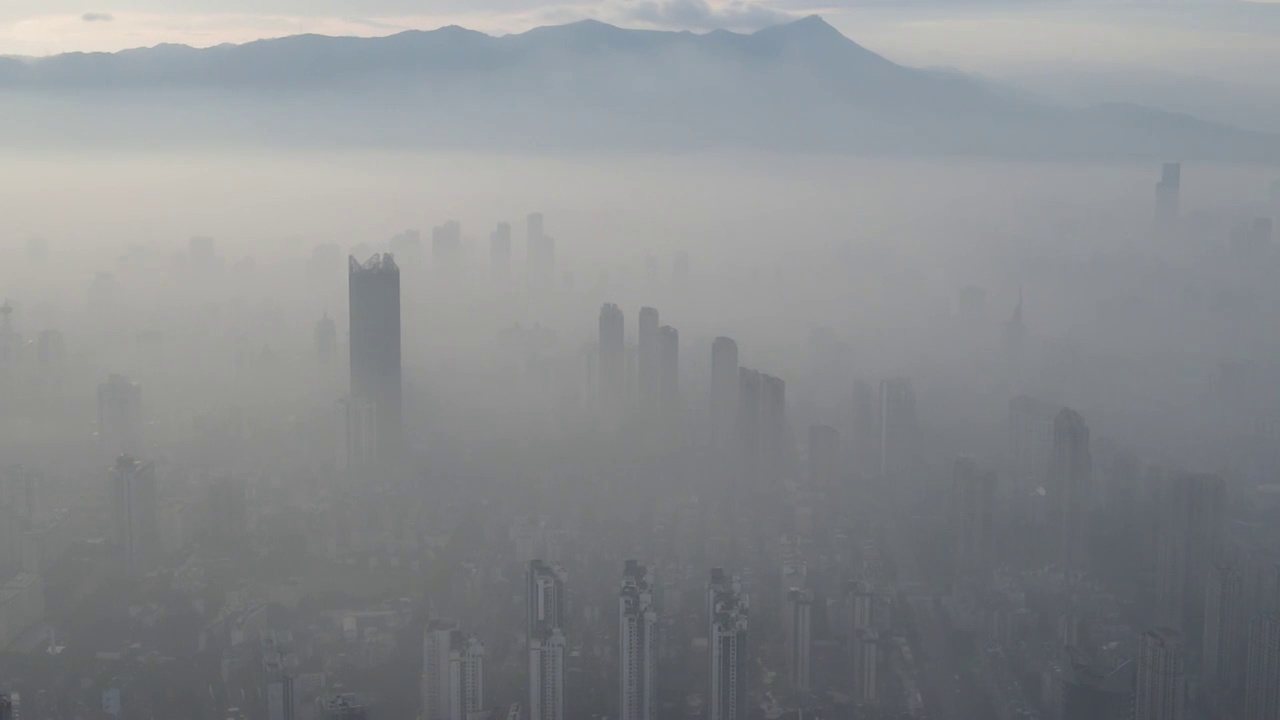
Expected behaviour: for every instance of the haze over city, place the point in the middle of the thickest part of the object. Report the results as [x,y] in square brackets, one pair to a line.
[639,360]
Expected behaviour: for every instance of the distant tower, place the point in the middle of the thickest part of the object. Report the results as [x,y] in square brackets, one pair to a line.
[326,340]
[120,415]
[773,426]
[546,677]
[1015,329]
[541,250]
[1189,538]
[375,343]
[750,434]
[798,638]
[1167,196]
[9,340]
[1226,632]
[446,244]
[613,378]
[648,358]
[896,422]
[500,250]
[974,504]
[727,639]
[1262,678]
[668,369]
[1070,491]
[1161,687]
[1030,444]
[866,662]
[637,644]
[724,390]
[452,673]
[134,513]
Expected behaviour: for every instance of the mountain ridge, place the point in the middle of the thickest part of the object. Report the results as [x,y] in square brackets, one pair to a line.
[798,85]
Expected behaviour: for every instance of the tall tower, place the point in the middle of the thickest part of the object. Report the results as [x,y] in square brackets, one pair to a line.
[453,673]
[773,425]
[134,509]
[637,644]
[724,391]
[668,369]
[728,648]
[1262,678]
[1030,444]
[541,249]
[798,638]
[1189,538]
[897,426]
[1226,632]
[974,504]
[613,378]
[823,457]
[750,432]
[1161,688]
[1070,490]
[374,291]
[500,250]
[866,660]
[546,677]
[326,340]
[649,371]
[120,415]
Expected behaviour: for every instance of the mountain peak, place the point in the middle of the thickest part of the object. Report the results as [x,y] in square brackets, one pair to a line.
[810,26]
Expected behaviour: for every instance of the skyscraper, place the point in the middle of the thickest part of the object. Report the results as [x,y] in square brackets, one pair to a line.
[750,431]
[1167,192]
[613,359]
[452,673]
[865,646]
[1189,538]
[637,644]
[357,435]
[374,290]
[446,243]
[668,369]
[897,427]
[649,361]
[824,457]
[1262,678]
[1070,491]
[1161,687]
[798,638]
[547,605]
[728,648]
[724,391]
[500,250]
[120,415]
[974,504]
[1030,445]
[1226,632]
[326,340]
[546,677]
[134,509]
[773,426]
[541,250]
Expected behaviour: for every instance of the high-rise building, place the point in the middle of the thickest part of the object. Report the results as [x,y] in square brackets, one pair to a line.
[613,359]
[727,641]
[1189,540]
[134,513]
[1226,632]
[773,426]
[750,430]
[637,644]
[1070,491]
[452,673]
[547,603]
[541,249]
[326,340]
[648,358]
[1167,195]
[357,442]
[865,646]
[1160,693]
[1030,445]
[824,457]
[7,702]
[896,422]
[374,289]
[120,415]
[668,369]
[1262,677]
[546,677]
[500,250]
[724,391]
[446,243]
[798,638]
[974,505]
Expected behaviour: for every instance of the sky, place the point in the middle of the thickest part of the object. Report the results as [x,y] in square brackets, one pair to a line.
[1218,38]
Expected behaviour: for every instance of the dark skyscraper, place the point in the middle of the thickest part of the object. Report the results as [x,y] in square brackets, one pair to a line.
[773,425]
[1226,634]
[1189,537]
[374,289]
[1161,687]
[649,370]
[750,399]
[668,368]
[1262,679]
[974,504]
[1070,491]
[613,359]
[724,390]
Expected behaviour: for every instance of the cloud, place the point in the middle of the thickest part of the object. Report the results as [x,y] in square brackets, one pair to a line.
[701,14]
[97,17]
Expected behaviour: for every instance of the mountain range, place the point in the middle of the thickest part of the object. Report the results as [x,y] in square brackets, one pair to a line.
[587,86]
